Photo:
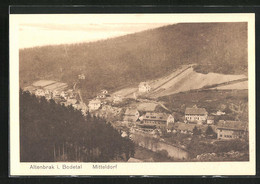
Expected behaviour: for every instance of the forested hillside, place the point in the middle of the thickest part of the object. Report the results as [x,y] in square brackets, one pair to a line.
[127,60]
[51,132]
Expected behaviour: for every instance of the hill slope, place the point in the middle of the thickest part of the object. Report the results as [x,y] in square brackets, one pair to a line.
[185,79]
[127,60]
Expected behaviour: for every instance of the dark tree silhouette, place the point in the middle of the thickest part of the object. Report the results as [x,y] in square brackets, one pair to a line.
[52,132]
[196,131]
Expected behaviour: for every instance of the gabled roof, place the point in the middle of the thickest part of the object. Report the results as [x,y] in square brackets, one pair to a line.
[195,110]
[231,125]
[156,116]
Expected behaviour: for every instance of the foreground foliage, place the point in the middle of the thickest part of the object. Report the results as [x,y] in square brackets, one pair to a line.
[52,132]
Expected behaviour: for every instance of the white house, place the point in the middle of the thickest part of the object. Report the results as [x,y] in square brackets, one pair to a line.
[158,120]
[40,92]
[104,91]
[56,93]
[64,94]
[210,120]
[94,104]
[117,99]
[102,96]
[196,114]
[144,87]
[81,77]
[219,113]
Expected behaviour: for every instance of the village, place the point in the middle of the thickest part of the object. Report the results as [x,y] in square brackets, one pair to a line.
[140,116]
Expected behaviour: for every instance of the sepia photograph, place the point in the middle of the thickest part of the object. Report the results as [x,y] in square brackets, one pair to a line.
[110,89]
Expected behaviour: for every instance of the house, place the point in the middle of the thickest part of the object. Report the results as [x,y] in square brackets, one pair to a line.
[64,94]
[210,120]
[81,77]
[184,128]
[103,91]
[131,115]
[144,87]
[159,120]
[94,104]
[231,129]
[196,114]
[39,92]
[56,93]
[219,113]
[124,134]
[48,94]
[101,96]
[117,99]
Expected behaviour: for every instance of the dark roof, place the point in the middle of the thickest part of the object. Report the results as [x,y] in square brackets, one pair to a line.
[195,110]
[156,116]
[231,125]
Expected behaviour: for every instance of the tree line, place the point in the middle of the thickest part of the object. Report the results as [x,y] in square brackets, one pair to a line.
[51,132]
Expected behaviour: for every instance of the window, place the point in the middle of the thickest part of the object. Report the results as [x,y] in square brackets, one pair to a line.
[220,135]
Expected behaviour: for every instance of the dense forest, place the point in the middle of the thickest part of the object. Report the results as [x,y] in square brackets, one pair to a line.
[127,60]
[52,132]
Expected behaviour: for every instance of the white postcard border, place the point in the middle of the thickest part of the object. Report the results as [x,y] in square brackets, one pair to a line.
[174,168]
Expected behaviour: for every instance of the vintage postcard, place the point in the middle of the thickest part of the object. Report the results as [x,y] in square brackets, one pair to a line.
[132,94]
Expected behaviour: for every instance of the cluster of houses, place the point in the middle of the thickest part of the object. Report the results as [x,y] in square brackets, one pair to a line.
[57,91]
[102,98]
[194,117]
[145,119]
[108,112]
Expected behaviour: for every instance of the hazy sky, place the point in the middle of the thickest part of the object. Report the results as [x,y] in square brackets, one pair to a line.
[38,34]
[46,29]
[39,30]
